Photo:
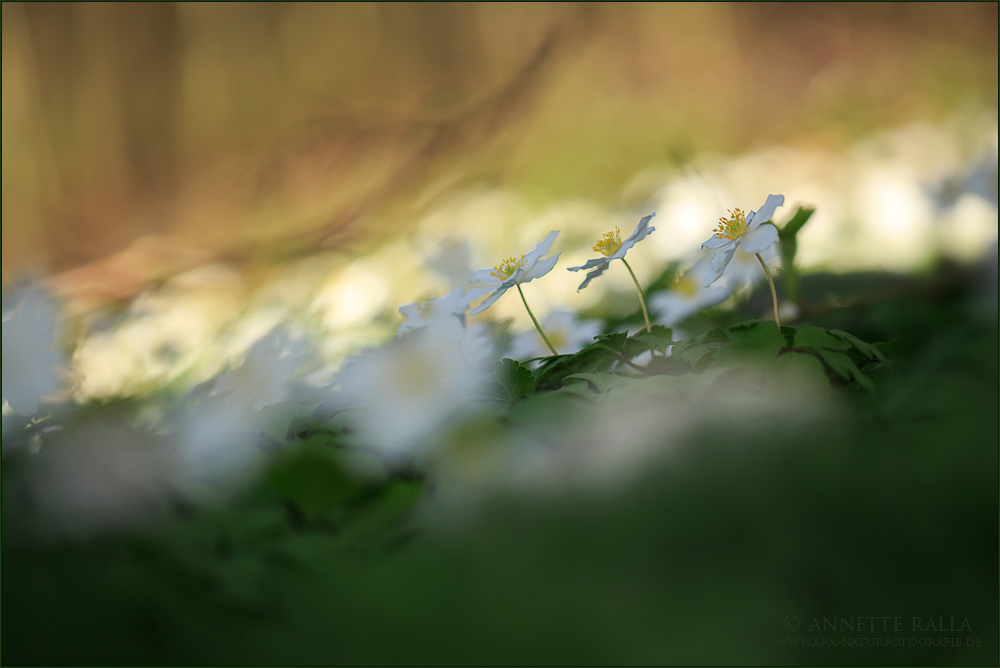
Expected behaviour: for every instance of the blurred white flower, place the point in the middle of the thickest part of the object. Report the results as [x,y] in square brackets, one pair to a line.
[566,332]
[28,364]
[687,295]
[746,232]
[401,393]
[452,261]
[444,314]
[612,247]
[478,346]
[220,437]
[514,271]
[979,179]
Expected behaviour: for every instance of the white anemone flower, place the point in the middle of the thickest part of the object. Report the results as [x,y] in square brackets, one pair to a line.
[443,314]
[402,393]
[687,296]
[566,332]
[747,232]
[219,437]
[612,247]
[28,364]
[513,271]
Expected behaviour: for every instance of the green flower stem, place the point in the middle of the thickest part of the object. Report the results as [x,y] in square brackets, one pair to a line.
[774,295]
[642,300]
[534,320]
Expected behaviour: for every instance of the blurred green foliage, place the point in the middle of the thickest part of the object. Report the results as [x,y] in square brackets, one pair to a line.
[887,508]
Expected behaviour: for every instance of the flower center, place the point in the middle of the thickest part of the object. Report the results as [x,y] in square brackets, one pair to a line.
[683,285]
[426,306]
[733,227]
[609,243]
[508,267]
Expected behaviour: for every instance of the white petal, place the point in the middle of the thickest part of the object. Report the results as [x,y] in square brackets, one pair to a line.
[454,301]
[485,276]
[592,275]
[759,238]
[539,250]
[716,242]
[590,264]
[538,269]
[476,292]
[719,263]
[766,211]
[488,302]
[641,232]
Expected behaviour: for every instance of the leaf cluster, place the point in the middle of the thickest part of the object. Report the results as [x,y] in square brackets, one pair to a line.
[843,360]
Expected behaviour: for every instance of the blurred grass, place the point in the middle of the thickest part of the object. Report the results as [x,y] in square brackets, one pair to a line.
[256,132]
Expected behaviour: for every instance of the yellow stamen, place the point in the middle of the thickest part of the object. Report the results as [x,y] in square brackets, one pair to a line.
[733,227]
[507,267]
[609,243]
[426,306]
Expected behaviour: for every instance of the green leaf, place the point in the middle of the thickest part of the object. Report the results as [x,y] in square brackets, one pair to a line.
[738,352]
[601,381]
[314,481]
[842,365]
[792,227]
[816,337]
[717,334]
[514,380]
[381,519]
[659,339]
[796,374]
[758,332]
[613,341]
[867,349]
[693,354]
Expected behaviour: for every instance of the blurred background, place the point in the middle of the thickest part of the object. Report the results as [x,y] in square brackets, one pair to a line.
[274,161]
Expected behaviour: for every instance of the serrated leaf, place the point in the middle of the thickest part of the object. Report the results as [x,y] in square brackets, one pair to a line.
[613,341]
[659,339]
[514,380]
[867,349]
[842,365]
[816,337]
[600,380]
[738,352]
[758,332]
[693,354]
[714,335]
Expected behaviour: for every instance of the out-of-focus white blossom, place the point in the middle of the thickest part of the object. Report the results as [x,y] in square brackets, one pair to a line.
[28,364]
[220,437]
[444,314]
[401,393]
[687,295]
